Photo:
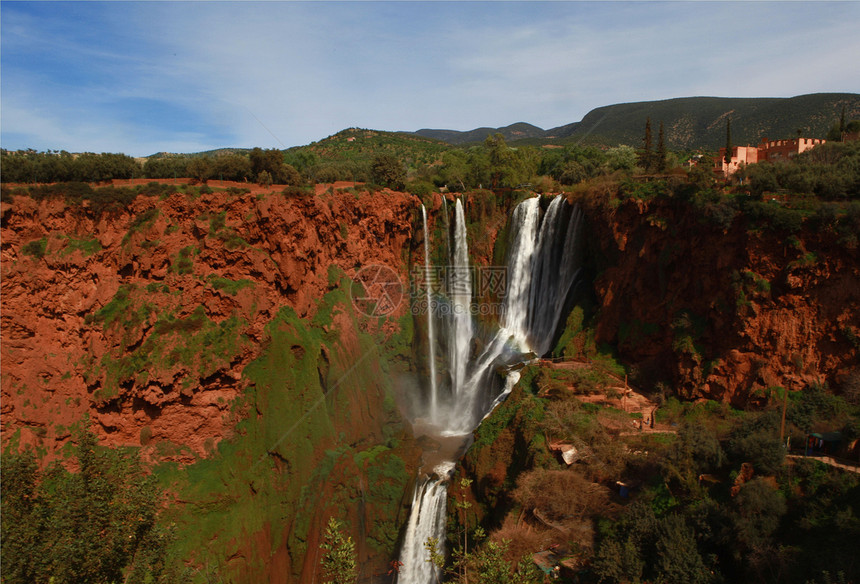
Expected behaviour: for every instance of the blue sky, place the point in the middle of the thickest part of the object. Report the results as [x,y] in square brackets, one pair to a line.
[144,77]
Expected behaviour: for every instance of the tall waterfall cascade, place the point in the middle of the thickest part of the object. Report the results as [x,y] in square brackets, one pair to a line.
[543,263]
[460,290]
[431,336]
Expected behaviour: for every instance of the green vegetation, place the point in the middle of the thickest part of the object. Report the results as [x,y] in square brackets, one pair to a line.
[231,287]
[35,248]
[348,155]
[29,166]
[96,525]
[339,565]
[219,230]
[387,170]
[299,455]
[194,344]
[692,514]
[295,457]
[690,120]
[87,246]
[831,172]
[183,263]
[118,306]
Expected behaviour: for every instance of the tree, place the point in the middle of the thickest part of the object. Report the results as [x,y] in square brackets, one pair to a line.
[760,508]
[266,160]
[463,505]
[92,526]
[289,176]
[647,159]
[727,157]
[21,556]
[233,167]
[166,167]
[387,170]
[621,158]
[200,168]
[677,555]
[455,169]
[264,179]
[697,450]
[572,173]
[661,151]
[492,567]
[339,560]
[508,167]
[756,441]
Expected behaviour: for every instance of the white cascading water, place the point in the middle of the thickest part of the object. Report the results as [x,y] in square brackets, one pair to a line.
[460,291]
[427,519]
[431,337]
[556,266]
[543,263]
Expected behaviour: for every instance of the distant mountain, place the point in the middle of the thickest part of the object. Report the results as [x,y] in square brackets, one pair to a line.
[518,131]
[700,122]
[689,122]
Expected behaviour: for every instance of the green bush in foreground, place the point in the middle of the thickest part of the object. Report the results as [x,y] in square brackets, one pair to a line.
[92,526]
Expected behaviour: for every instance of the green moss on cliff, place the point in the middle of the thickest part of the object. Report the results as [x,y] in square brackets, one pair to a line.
[309,445]
[195,344]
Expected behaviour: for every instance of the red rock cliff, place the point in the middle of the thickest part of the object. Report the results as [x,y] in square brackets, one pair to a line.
[85,324]
[724,315]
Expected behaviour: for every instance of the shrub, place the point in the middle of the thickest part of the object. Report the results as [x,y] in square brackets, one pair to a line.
[182,263]
[757,441]
[35,248]
[231,287]
[560,494]
[143,219]
[294,191]
[264,179]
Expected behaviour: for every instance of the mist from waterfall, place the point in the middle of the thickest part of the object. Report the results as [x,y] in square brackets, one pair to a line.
[542,265]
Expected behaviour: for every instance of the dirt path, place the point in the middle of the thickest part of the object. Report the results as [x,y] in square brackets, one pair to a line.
[827,460]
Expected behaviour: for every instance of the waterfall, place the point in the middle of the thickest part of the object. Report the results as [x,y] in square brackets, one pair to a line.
[542,265]
[431,337]
[447,227]
[460,291]
[426,520]
[524,224]
[556,266]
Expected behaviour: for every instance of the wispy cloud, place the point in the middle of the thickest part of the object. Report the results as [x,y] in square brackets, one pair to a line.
[145,77]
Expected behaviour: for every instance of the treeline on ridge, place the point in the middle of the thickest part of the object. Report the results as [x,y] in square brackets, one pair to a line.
[420,166]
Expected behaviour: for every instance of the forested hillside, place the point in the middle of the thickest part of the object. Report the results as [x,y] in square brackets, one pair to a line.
[690,122]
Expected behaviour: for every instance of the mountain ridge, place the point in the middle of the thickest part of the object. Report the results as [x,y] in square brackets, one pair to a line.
[689,122]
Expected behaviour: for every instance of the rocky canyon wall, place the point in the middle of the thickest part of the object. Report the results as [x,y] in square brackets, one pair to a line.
[723,313]
[216,332]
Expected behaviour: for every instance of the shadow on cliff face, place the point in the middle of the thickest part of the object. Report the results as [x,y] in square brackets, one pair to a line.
[722,311]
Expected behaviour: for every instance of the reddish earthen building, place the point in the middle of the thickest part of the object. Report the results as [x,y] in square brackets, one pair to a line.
[766,151]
